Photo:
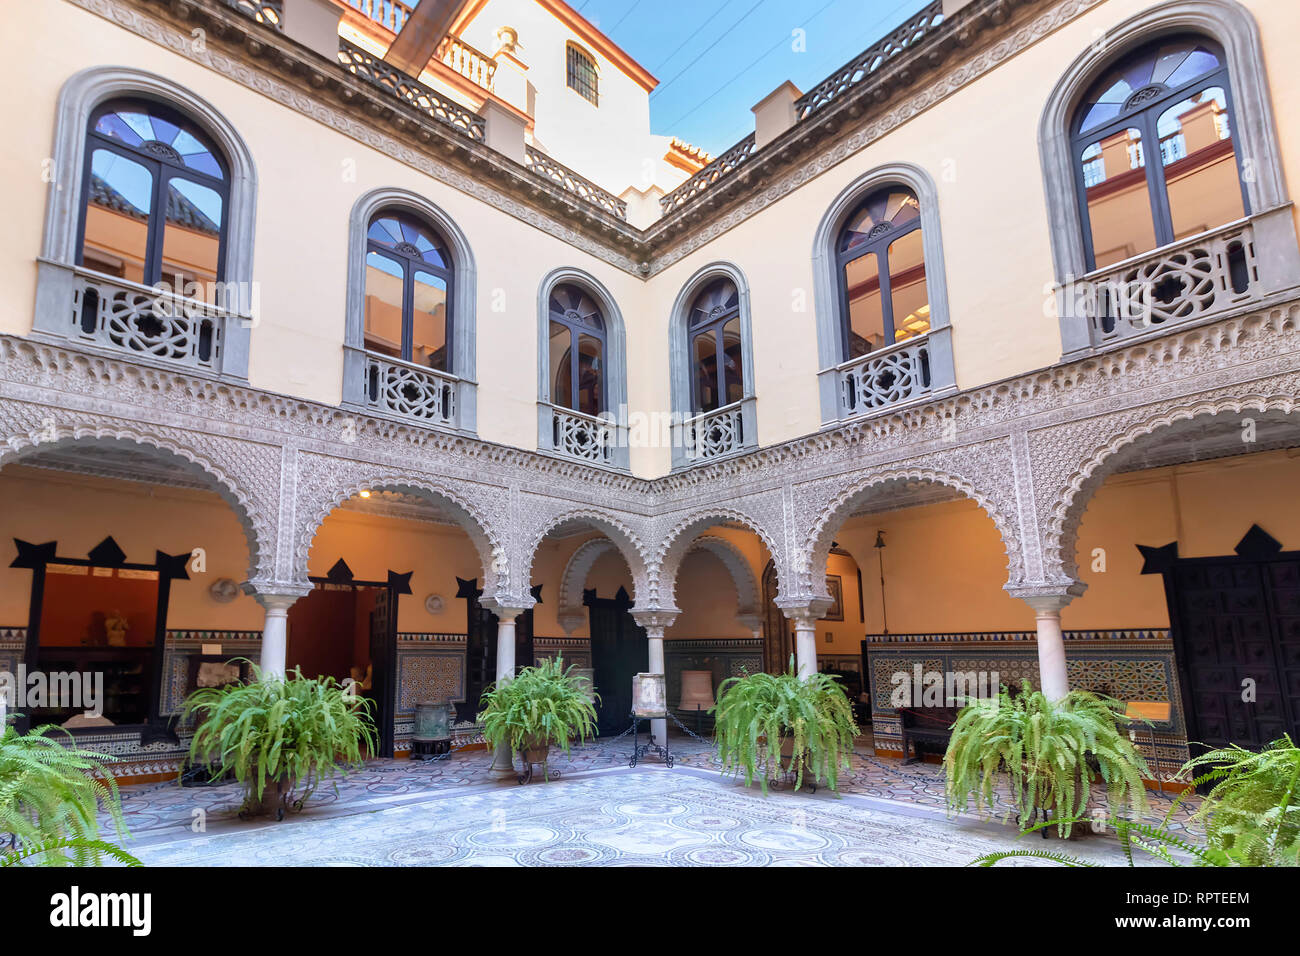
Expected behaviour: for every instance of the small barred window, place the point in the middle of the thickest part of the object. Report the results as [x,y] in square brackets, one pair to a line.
[582,75]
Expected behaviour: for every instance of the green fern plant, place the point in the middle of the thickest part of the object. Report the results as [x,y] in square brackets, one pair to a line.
[1044,747]
[1252,813]
[296,730]
[1156,841]
[41,853]
[51,795]
[812,715]
[539,706]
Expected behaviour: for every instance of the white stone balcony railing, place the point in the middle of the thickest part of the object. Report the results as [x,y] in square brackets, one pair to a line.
[147,322]
[473,64]
[406,390]
[716,433]
[885,377]
[580,436]
[1237,266]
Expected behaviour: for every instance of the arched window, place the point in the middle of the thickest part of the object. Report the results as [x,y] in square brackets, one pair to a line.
[576,350]
[155,197]
[716,347]
[881,263]
[408,291]
[1154,150]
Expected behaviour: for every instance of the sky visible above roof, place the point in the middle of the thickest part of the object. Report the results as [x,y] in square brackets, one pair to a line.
[716,58]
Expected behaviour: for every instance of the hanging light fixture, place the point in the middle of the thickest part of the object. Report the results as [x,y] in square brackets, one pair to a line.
[880,553]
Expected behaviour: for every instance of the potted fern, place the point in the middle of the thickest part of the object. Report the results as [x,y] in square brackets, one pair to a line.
[51,795]
[279,738]
[540,706]
[1251,815]
[1252,811]
[1047,749]
[782,723]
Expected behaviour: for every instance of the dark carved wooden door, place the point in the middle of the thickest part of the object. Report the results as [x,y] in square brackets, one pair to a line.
[619,650]
[1236,631]
[383,656]
[481,646]
[778,640]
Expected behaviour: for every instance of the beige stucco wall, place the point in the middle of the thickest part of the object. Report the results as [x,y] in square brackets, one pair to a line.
[979,145]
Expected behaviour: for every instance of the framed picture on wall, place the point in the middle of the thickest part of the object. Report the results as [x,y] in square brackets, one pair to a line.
[836,590]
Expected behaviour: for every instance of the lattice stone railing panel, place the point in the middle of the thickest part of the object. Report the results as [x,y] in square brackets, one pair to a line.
[146,322]
[580,436]
[866,63]
[270,12]
[570,181]
[1182,282]
[724,165]
[887,377]
[409,391]
[716,433]
[396,83]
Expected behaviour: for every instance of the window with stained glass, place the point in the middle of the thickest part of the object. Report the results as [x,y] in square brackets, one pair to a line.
[1155,159]
[154,198]
[881,259]
[408,291]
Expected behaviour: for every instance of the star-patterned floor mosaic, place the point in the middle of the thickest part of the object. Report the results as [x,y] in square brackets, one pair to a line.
[599,812]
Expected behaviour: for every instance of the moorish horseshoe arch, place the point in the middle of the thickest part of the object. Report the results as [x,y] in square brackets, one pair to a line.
[469,518]
[1060,538]
[620,536]
[684,535]
[573,580]
[748,596]
[253,515]
[817,544]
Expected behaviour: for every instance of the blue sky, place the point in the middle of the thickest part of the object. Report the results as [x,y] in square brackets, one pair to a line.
[716,58]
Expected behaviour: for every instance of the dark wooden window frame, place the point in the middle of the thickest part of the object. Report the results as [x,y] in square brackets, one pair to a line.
[574,356]
[1143,115]
[163,169]
[713,325]
[411,263]
[880,246]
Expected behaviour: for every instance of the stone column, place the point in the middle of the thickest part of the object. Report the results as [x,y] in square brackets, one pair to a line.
[275,629]
[655,622]
[1051,645]
[805,614]
[503,760]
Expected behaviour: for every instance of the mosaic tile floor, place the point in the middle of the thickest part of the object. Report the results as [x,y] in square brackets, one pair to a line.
[445,812]
[651,816]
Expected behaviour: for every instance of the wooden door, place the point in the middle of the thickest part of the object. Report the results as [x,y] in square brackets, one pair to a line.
[1236,630]
[383,657]
[619,650]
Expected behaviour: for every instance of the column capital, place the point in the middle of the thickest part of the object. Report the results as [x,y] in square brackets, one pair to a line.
[276,595]
[1047,599]
[655,618]
[507,607]
[805,611]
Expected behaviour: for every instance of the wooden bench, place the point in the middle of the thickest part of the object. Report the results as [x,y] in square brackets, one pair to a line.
[925,726]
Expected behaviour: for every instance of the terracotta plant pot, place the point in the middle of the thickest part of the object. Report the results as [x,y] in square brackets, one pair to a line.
[536,751]
[274,802]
